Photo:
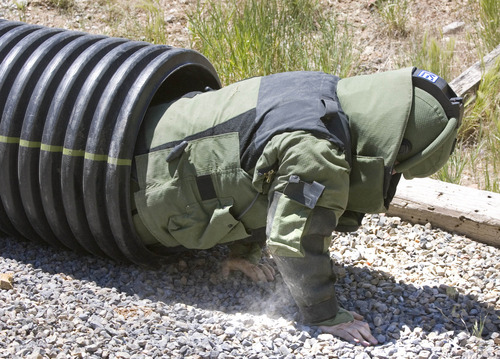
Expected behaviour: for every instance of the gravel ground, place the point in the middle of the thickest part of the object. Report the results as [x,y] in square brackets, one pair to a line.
[426,293]
[421,289]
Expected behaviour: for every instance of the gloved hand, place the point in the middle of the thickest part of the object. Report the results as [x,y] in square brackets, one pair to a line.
[261,272]
[355,330]
[245,257]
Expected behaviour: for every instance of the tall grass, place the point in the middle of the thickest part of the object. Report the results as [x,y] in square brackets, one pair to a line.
[434,55]
[477,158]
[245,38]
[154,30]
[489,23]
[22,8]
[395,15]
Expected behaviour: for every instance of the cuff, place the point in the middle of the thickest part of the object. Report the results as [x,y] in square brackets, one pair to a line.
[252,251]
[343,316]
[316,313]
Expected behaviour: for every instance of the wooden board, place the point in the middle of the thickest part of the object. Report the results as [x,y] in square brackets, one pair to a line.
[468,211]
[470,78]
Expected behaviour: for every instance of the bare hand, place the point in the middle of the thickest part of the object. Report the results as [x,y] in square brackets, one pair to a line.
[356,331]
[256,272]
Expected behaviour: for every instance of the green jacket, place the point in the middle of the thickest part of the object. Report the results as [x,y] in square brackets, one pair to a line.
[272,152]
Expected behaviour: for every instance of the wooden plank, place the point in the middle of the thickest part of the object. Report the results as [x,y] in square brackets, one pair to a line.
[463,210]
[471,77]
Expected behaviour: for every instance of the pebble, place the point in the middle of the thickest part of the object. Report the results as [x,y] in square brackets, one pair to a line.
[377,321]
[325,337]
[424,354]
[67,305]
[362,356]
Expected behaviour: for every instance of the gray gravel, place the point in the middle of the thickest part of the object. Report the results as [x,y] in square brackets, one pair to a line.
[426,294]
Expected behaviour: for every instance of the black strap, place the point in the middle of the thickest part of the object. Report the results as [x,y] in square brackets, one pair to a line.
[302,192]
[336,122]
[206,187]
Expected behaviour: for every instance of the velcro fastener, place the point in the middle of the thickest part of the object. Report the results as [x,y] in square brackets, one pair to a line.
[303,192]
[206,187]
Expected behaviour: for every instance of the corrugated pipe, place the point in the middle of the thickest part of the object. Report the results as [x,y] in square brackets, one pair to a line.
[71,107]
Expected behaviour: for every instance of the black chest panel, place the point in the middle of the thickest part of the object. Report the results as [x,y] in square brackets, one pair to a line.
[294,101]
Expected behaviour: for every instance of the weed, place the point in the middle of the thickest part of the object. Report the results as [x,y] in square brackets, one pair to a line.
[61,4]
[245,38]
[478,150]
[488,24]
[452,171]
[22,7]
[434,55]
[155,30]
[477,329]
[395,15]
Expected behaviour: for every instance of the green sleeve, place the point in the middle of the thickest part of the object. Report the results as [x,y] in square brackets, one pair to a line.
[312,160]
[299,231]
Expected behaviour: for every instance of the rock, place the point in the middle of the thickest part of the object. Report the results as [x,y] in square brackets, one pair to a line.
[381,338]
[355,255]
[440,271]
[462,338]
[182,265]
[6,281]
[284,350]
[453,28]
[107,308]
[381,307]
[122,355]
[379,352]
[325,337]
[303,336]
[362,355]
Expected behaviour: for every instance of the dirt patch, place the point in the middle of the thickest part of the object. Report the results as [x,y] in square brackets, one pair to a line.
[380,48]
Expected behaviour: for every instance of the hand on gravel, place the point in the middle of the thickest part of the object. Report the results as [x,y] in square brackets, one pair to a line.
[356,331]
[257,272]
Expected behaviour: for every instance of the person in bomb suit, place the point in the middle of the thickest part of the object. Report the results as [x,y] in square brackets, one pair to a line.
[285,160]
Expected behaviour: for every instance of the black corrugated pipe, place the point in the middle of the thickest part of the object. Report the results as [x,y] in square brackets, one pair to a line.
[71,106]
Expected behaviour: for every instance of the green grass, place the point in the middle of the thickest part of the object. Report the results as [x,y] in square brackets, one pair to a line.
[433,54]
[476,159]
[395,15]
[488,16]
[22,7]
[61,4]
[478,150]
[155,29]
[245,38]
[477,329]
